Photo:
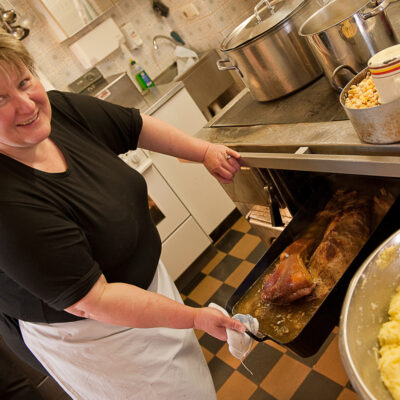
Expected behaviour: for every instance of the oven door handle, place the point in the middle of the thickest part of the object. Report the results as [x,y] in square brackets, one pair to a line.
[334,163]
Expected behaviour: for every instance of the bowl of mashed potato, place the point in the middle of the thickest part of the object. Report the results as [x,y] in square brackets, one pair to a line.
[369,329]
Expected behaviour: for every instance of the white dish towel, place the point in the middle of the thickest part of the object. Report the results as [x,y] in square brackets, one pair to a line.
[239,342]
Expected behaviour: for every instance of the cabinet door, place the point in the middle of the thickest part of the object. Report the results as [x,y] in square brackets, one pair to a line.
[202,194]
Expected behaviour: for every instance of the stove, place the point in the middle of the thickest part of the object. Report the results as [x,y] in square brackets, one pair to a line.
[317,102]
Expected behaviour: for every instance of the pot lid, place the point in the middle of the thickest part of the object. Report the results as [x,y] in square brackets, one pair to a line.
[251,28]
[386,57]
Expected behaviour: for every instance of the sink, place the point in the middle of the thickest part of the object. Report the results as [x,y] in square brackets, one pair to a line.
[168,75]
[203,80]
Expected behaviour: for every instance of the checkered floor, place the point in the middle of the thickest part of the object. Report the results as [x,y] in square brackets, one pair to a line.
[278,373]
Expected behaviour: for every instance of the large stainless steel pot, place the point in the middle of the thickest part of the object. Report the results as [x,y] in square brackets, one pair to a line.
[270,56]
[345,34]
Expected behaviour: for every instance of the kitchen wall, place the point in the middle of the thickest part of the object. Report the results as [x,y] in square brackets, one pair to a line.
[215,20]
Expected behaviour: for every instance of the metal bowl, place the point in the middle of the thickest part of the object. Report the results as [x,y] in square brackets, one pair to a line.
[379,124]
[365,309]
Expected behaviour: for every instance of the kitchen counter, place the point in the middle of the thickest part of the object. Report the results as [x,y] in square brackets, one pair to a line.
[119,89]
[159,95]
[306,130]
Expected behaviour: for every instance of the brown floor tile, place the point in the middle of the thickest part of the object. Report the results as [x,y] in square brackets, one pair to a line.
[285,378]
[239,274]
[330,364]
[204,290]
[241,225]
[276,346]
[348,394]
[227,357]
[245,246]
[207,354]
[198,333]
[214,262]
[237,387]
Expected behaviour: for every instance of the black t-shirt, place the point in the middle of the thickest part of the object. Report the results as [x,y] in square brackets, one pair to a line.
[60,231]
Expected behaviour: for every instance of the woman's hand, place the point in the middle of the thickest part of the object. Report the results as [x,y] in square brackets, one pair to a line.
[222,162]
[214,322]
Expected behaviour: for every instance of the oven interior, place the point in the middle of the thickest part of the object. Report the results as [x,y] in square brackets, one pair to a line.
[292,200]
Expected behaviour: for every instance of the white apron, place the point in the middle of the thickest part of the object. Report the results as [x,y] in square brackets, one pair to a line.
[92,360]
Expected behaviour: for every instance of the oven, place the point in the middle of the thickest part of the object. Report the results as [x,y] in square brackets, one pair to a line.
[296,153]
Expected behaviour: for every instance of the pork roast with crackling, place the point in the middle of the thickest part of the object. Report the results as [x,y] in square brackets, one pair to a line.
[315,262]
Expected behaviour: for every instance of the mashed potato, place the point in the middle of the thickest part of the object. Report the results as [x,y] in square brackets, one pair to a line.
[389,339]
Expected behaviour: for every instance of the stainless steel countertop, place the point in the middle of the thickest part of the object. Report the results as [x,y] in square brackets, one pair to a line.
[299,134]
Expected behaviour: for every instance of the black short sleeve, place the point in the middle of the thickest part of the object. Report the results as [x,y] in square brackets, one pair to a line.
[55,264]
[118,127]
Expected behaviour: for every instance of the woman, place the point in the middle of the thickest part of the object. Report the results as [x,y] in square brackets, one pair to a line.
[79,256]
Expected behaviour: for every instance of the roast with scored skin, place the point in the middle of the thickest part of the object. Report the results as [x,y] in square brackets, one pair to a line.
[312,264]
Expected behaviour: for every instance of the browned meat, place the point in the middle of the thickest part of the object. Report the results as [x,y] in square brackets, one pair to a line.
[334,238]
[342,241]
[290,279]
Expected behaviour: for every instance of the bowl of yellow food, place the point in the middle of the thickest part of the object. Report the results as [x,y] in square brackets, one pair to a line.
[369,329]
[374,122]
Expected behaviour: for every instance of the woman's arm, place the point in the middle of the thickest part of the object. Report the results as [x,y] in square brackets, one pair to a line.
[159,136]
[128,305]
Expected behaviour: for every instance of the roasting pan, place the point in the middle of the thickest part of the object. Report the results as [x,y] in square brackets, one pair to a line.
[320,316]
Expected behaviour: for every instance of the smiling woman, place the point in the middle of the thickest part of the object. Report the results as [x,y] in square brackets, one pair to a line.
[24,107]
[79,251]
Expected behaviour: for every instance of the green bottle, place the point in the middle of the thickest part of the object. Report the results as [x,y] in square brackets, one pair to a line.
[141,76]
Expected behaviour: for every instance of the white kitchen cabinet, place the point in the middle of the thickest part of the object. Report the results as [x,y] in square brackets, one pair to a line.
[201,194]
[182,248]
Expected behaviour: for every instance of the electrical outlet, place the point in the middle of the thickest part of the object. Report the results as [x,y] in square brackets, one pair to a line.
[190,11]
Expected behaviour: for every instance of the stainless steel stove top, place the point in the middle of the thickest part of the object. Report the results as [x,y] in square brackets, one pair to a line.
[317,102]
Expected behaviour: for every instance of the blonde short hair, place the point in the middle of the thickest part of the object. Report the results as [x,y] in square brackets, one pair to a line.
[13,53]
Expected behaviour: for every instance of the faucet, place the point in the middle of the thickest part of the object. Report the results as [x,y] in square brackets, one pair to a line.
[258,5]
[155,45]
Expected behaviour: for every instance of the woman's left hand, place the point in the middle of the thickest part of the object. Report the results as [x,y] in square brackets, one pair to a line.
[222,162]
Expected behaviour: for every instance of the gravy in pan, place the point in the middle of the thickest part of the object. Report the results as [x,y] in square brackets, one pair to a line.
[282,323]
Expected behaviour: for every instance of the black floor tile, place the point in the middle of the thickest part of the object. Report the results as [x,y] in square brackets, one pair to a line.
[193,283]
[260,394]
[222,295]
[257,253]
[225,267]
[317,386]
[260,361]
[349,386]
[191,303]
[229,240]
[220,372]
[211,343]
[311,361]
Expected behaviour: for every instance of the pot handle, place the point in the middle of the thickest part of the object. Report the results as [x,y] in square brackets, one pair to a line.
[335,72]
[378,9]
[222,67]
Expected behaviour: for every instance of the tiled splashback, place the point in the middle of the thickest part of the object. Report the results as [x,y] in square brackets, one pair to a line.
[215,20]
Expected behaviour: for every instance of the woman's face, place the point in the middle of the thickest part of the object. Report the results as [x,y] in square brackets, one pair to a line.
[25,111]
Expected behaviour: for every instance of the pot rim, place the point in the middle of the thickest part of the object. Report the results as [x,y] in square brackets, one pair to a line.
[330,26]
[223,45]
[344,348]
